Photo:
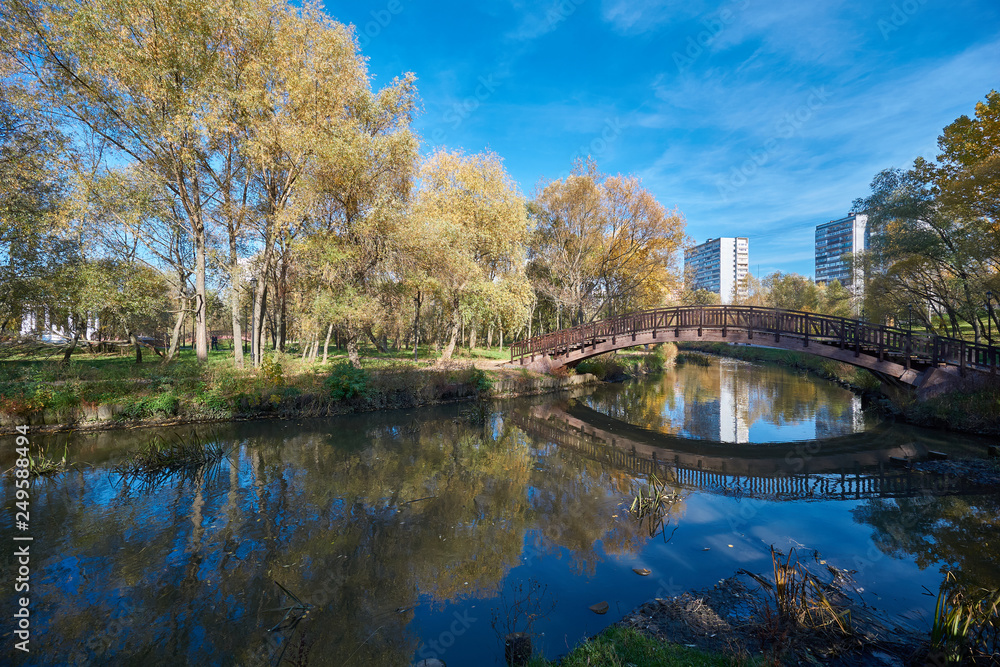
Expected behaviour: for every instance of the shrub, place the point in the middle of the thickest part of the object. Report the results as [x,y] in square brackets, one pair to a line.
[480,380]
[603,366]
[345,381]
[272,371]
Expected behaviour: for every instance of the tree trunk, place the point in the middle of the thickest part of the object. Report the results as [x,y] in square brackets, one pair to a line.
[201,302]
[236,299]
[416,323]
[456,321]
[352,350]
[138,347]
[326,344]
[472,336]
[257,331]
[489,337]
[175,339]
[379,344]
[70,348]
[282,303]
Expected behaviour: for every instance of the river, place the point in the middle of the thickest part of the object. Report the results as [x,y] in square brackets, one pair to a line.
[380,539]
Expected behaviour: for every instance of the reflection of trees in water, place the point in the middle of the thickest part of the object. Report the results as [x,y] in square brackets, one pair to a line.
[962,533]
[689,398]
[356,532]
[579,502]
[360,525]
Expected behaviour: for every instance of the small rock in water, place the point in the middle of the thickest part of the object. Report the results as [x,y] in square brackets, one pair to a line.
[430,662]
[641,571]
[600,608]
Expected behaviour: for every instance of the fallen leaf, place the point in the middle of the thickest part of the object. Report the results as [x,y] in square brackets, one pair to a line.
[600,608]
[641,571]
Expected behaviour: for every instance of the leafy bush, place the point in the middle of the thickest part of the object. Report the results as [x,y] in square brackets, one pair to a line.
[161,404]
[345,381]
[272,371]
[604,366]
[480,380]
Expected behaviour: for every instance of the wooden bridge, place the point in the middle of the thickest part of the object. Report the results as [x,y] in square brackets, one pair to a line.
[918,360]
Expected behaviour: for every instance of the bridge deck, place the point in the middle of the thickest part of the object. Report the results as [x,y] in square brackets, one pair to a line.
[888,350]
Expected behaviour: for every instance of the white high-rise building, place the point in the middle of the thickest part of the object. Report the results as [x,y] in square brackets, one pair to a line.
[719,265]
[835,239]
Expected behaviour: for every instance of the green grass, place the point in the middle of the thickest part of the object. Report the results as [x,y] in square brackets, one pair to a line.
[621,647]
[39,383]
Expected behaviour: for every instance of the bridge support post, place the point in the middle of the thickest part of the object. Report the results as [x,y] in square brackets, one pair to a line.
[909,348]
[961,358]
[857,340]
[843,333]
[805,341]
[701,320]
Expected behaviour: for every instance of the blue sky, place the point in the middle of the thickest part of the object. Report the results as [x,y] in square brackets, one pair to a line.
[753,118]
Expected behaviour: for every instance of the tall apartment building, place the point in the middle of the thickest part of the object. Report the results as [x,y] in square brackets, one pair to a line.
[718,265]
[835,239]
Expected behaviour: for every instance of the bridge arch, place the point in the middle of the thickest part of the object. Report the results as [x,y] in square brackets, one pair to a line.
[926,362]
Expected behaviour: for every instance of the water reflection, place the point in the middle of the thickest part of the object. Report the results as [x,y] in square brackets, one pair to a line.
[733,401]
[397,530]
[956,533]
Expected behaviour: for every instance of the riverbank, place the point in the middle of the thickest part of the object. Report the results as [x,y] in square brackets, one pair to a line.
[973,406]
[92,397]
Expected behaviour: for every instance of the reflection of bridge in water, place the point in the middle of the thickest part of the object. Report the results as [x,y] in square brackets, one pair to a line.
[849,467]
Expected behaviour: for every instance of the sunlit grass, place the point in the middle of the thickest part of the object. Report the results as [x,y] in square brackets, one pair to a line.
[620,647]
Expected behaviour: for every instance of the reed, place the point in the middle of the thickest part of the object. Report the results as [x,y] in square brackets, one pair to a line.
[966,624]
[41,465]
[163,457]
[799,599]
[653,503]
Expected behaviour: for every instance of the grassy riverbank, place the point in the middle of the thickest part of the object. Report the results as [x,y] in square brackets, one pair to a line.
[108,390]
[973,407]
[618,646]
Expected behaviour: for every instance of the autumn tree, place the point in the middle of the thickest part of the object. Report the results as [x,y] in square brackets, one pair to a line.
[33,246]
[836,300]
[935,240]
[475,221]
[604,244]
[790,291]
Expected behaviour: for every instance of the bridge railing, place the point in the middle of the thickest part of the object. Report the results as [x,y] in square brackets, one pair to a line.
[858,335]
